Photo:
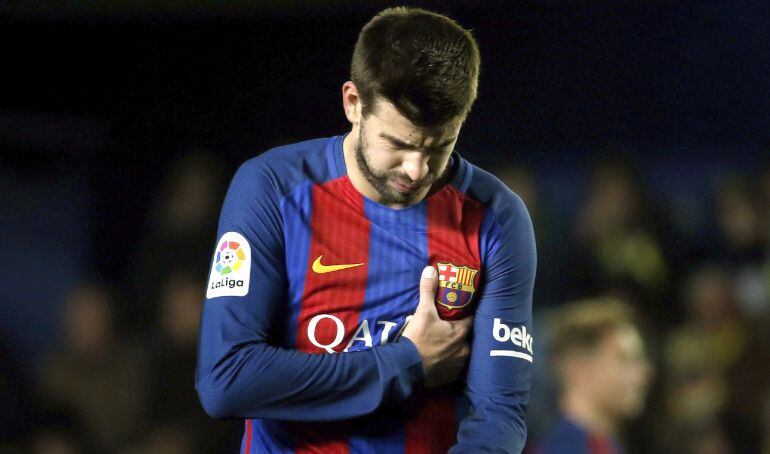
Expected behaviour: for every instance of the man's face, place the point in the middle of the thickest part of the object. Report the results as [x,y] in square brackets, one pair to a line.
[399,160]
[620,374]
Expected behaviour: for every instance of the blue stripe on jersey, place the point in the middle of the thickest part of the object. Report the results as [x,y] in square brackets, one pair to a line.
[488,229]
[268,436]
[391,250]
[296,209]
[397,241]
[463,177]
[271,436]
[462,408]
[335,157]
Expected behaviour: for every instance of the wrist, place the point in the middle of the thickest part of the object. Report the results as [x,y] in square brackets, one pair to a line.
[415,354]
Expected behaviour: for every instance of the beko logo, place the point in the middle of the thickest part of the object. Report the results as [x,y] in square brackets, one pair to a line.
[518,336]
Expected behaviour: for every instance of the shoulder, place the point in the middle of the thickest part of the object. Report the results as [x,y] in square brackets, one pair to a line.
[488,190]
[254,197]
[283,168]
[507,225]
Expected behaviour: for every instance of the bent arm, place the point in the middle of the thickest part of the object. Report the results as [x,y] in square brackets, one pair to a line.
[239,373]
[501,354]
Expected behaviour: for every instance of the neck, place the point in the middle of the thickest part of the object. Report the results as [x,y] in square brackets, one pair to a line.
[579,408]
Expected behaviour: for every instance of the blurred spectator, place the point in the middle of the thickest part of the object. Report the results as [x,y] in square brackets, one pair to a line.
[602,372]
[57,434]
[97,376]
[174,402]
[764,196]
[740,222]
[698,352]
[619,242]
[174,349]
[711,379]
[59,442]
[706,438]
[167,439]
[743,243]
[764,184]
[182,230]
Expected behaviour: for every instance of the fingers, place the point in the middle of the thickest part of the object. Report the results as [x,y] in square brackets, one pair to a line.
[428,284]
[428,281]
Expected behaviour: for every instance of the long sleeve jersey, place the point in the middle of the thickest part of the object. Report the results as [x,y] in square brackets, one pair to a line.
[311,284]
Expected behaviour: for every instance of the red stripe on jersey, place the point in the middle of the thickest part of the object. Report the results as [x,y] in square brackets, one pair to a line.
[599,445]
[454,222]
[453,237]
[339,233]
[247,444]
[339,236]
[433,427]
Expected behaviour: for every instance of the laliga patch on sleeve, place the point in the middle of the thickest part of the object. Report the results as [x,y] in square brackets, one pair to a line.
[231,267]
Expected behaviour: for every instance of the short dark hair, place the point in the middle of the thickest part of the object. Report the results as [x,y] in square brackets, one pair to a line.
[580,326]
[424,63]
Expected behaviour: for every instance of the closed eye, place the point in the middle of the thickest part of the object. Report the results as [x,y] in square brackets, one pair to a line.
[399,144]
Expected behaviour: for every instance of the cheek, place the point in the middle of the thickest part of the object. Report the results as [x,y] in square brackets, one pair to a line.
[605,379]
[640,375]
[611,379]
[383,160]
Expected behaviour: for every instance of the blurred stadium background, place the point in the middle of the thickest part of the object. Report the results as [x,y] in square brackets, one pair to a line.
[636,133]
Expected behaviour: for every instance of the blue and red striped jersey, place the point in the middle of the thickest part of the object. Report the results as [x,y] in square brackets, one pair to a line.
[568,437]
[310,287]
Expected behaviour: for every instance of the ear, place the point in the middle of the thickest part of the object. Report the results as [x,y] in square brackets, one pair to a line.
[351,102]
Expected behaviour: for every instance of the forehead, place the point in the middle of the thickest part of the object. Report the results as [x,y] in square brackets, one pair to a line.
[384,117]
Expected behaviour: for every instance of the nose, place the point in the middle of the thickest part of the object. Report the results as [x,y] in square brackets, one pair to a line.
[415,165]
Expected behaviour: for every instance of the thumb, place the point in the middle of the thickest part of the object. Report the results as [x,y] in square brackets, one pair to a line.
[428,284]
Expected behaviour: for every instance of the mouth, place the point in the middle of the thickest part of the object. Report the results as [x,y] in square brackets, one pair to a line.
[407,187]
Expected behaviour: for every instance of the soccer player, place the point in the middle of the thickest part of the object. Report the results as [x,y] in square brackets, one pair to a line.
[603,375]
[349,271]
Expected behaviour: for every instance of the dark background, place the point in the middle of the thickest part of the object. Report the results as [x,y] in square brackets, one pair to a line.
[100,100]
[108,95]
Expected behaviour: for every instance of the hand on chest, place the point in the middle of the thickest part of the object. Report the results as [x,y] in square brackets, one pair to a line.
[364,266]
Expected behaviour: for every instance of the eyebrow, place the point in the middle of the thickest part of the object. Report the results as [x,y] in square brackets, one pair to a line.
[408,146]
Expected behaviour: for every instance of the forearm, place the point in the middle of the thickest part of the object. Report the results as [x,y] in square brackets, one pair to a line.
[498,387]
[262,381]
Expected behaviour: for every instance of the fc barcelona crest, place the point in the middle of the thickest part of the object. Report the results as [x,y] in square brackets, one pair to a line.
[455,285]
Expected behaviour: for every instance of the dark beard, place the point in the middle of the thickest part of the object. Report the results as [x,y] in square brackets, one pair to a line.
[379,181]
